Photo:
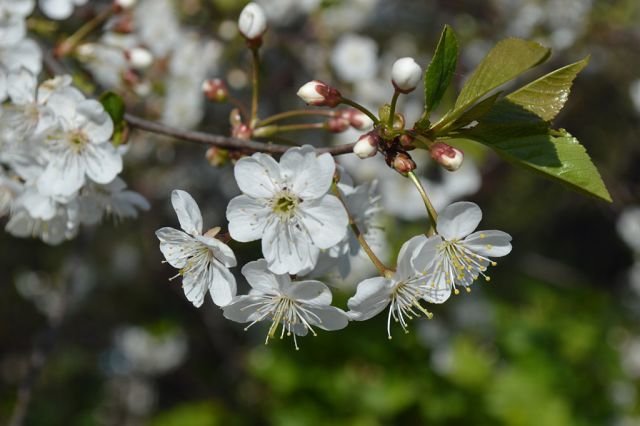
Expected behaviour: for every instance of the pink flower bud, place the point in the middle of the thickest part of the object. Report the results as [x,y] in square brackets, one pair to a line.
[215,90]
[402,162]
[447,156]
[405,74]
[406,142]
[241,131]
[252,22]
[337,124]
[358,119]
[318,93]
[367,145]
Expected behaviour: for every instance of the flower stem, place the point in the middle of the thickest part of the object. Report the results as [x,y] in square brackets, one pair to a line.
[357,106]
[433,215]
[68,45]
[255,85]
[383,270]
[294,113]
[392,110]
[267,131]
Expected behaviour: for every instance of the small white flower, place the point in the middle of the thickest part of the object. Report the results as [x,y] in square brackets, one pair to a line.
[24,54]
[203,260]
[12,20]
[112,199]
[59,9]
[252,22]
[628,226]
[403,292]
[287,206]
[406,74]
[297,307]
[463,255]
[355,58]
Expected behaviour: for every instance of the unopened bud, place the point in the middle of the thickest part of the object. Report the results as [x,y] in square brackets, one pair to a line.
[337,124]
[367,145]
[318,93]
[217,156]
[403,163]
[241,131]
[405,74]
[447,156]
[358,119]
[235,118]
[139,57]
[406,142]
[215,90]
[252,22]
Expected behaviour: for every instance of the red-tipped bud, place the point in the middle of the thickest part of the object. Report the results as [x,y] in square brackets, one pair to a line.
[367,145]
[337,124]
[447,156]
[406,142]
[215,90]
[241,131]
[318,93]
[402,163]
[405,74]
[358,119]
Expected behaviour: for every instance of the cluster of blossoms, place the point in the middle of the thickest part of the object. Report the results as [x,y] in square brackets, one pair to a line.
[58,167]
[301,208]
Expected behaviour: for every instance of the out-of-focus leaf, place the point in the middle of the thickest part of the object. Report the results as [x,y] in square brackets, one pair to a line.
[522,138]
[114,105]
[546,96]
[440,71]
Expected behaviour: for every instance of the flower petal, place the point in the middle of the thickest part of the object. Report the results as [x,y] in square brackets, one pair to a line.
[329,317]
[309,176]
[97,124]
[223,288]
[258,176]
[437,292]
[372,296]
[489,243]
[221,251]
[187,211]
[260,278]
[325,219]
[409,250]
[241,309]
[22,87]
[103,162]
[247,218]
[173,245]
[288,249]
[195,287]
[63,176]
[458,220]
[311,292]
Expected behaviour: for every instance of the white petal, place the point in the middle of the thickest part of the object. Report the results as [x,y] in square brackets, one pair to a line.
[260,278]
[408,252]
[22,8]
[325,219]
[258,176]
[97,123]
[221,251]
[489,243]
[223,288]
[309,176]
[247,218]
[57,9]
[195,287]
[187,211]
[458,220]
[312,292]
[103,162]
[331,318]
[427,254]
[3,86]
[38,205]
[22,87]
[63,176]
[288,249]
[372,296]
[241,309]
[26,53]
[173,244]
[438,292]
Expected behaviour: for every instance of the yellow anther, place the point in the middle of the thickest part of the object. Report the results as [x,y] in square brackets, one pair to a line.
[487,279]
[456,291]
[483,235]
[468,289]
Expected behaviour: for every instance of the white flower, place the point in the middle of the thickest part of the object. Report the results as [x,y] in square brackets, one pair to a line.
[628,226]
[203,260]
[157,22]
[287,205]
[80,148]
[62,226]
[112,199]
[463,255]
[403,292]
[59,9]
[23,54]
[12,20]
[296,306]
[355,58]
[252,22]
[406,74]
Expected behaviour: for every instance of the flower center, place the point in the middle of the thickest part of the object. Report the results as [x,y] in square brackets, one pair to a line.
[405,303]
[457,265]
[284,204]
[77,140]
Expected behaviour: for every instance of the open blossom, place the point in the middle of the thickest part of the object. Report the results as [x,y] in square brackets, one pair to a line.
[403,292]
[294,306]
[287,206]
[59,9]
[13,14]
[462,255]
[203,260]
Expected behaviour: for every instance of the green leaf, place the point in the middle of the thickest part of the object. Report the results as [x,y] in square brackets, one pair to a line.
[522,138]
[546,96]
[114,105]
[477,111]
[441,69]
[507,60]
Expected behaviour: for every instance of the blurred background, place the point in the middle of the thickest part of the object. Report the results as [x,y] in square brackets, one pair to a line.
[554,339]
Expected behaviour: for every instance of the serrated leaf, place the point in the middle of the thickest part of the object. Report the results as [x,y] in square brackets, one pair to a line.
[477,111]
[441,69]
[114,105]
[546,96]
[523,139]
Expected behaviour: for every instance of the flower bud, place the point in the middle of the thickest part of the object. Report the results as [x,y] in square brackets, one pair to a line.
[447,156]
[215,90]
[217,156]
[406,142]
[241,131]
[403,163]
[405,74]
[139,57]
[318,93]
[252,22]
[337,124]
[367,145]
[235,118]
[358,119]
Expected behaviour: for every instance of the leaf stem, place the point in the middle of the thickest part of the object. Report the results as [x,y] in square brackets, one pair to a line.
[433,215]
